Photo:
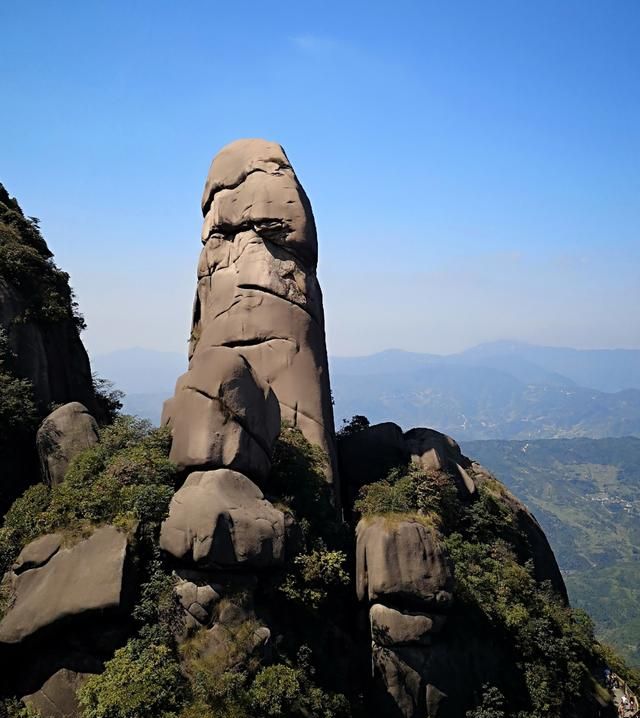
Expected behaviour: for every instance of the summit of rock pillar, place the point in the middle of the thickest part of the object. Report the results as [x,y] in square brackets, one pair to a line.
[257,290]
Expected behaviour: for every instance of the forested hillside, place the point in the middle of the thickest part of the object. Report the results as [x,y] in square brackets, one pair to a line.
[586,495]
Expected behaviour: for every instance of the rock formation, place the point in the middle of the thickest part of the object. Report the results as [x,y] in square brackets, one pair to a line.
[42,359]
[68,611]
[233,568]
[220,519]
[404,576]
[258,293]
[39,321]
[66,432]
[52,584]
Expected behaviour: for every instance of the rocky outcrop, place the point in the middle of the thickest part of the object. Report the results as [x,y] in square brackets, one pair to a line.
[536,545]
[422,654]
[57,697]
[41,353]
[36,312]
[66,432]
[390,627]
[37,553]
[402,569]
[401,561]
[223,415]
[258,293]
[51,584]
[368,455]
[220,519]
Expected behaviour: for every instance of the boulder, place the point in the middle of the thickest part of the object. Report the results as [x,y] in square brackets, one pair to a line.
[57,697]
[66,432]
[433,451]
[401,560]
[368,455]
[390,627]
[399,686]
[222,415]
[220,519]
[258,292]
[88,578]
[37,553]
[197,600]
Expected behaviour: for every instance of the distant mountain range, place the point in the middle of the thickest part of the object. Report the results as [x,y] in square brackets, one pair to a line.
[586,495]
[502,390]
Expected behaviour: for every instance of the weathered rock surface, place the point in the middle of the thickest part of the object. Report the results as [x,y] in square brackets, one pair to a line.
[222,415]
[57,697]
[399,685]
[221,519]
[89,577]
[390,627]
[51,356]
[433,451]
[66,432]
[401,560]
[423,652]
[37,553]
[197,600]
[257,287]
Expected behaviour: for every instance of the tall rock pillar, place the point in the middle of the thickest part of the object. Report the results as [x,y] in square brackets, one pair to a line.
[258,293]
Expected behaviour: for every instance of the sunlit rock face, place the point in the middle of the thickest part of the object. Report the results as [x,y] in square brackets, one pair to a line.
[257,287]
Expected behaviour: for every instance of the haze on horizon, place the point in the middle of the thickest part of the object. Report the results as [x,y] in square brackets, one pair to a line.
[472,167]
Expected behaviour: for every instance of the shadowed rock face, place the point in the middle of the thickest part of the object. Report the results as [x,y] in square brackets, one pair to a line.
[257,287]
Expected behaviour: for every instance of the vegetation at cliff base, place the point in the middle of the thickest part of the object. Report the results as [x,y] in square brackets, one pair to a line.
[124,479]
[550,659]
[586,495]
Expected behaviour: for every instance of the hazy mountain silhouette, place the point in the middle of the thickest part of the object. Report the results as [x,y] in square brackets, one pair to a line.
[502,390]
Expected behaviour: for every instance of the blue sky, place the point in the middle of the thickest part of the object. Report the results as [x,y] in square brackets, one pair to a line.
[473,166]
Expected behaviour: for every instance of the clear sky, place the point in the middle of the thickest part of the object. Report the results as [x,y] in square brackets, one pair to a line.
[474,166]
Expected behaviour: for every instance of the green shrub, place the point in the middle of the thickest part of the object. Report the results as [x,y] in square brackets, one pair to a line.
[275,691]
[281,690]
[13,708]
[125,478]
[27,263]
[554,647]
[409,490]
[491,705]
[315,577]
[353,426]
[142,680]
[298,480]
[108,398]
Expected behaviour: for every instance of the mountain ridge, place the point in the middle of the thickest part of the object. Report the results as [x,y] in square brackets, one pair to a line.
[477,394]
